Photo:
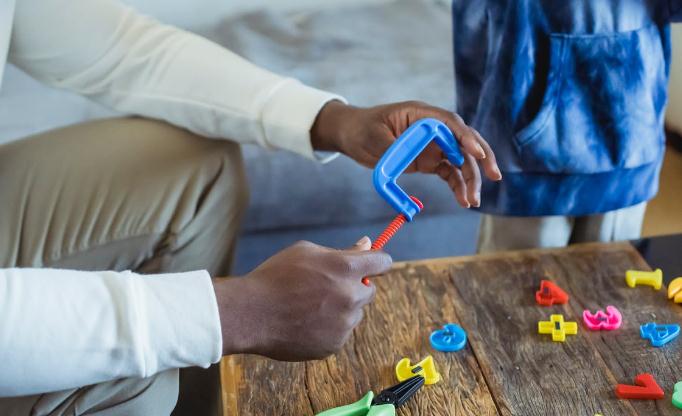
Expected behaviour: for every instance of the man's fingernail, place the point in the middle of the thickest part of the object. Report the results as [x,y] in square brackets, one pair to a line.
[499,174]
[363,241]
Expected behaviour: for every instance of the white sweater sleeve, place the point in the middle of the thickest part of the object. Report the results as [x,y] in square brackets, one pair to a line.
[110,53]
[63,329]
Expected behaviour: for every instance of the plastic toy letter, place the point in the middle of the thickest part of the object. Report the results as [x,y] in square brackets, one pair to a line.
[557,327]
[639,277]
[659,335]
[608,321]
[550,294]
[451,338]
[425,368]
[677,395]
[645,388]
[675,290]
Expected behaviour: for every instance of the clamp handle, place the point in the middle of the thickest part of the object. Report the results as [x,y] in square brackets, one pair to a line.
[403,152]
[359,408]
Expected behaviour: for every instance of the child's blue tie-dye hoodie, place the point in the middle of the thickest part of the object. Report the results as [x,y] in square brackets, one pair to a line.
[570,94]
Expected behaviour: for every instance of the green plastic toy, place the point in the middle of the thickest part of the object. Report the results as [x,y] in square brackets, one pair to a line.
[382,405]
[677,395]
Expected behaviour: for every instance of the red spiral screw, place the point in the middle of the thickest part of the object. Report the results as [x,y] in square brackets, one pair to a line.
[389,232]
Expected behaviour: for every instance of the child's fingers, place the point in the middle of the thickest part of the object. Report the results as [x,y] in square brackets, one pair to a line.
[458,184]
[455,181]
[492,171]
[473,143]
[472,178]
[429,159]
[466,136]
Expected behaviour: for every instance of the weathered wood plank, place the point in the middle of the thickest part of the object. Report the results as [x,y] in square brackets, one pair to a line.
[254,386]
[507,367]
[410,304]
[624,351]
[527,373]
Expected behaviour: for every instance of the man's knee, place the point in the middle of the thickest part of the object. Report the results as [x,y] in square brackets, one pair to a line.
[211,197]
[230,186]
[210,172]
[217,210]
[177,196]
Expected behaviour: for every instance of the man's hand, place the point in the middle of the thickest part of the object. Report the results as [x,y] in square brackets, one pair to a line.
[301,304]
[364,134]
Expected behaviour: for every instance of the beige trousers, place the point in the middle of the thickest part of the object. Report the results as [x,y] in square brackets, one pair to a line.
[121,194]
[499,233]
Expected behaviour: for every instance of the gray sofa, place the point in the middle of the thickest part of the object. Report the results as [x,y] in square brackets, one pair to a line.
[368,53]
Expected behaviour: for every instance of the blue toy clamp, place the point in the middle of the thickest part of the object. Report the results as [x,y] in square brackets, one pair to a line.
[403,152]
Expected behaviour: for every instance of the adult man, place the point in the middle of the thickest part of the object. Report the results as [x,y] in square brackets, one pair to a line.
[159,198]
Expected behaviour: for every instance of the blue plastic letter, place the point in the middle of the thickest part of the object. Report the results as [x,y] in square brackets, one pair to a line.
[451,338]
[659,335]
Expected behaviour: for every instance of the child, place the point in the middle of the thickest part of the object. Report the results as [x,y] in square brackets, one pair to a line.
[571,95]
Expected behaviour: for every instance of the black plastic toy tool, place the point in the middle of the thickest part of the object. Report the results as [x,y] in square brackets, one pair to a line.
[400,393]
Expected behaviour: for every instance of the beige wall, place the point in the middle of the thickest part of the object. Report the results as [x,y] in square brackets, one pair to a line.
[675,90]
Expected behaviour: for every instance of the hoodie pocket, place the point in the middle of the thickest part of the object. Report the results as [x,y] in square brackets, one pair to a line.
[602,107]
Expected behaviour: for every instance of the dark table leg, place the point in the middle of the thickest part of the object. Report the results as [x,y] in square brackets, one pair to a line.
[663,252]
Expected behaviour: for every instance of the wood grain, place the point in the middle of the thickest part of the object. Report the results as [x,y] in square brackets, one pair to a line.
[411,302]
[415,301]
[528,373]
[624,351]
[507,368]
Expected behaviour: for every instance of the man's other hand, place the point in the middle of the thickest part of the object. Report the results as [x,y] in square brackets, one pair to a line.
[300,304]
[364,134]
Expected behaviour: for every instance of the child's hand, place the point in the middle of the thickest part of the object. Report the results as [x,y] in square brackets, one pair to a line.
[364,134]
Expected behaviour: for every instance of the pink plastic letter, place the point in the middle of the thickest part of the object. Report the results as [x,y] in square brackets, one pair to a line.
[608,321]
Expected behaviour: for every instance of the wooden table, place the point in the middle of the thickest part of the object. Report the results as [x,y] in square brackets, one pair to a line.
[507,368]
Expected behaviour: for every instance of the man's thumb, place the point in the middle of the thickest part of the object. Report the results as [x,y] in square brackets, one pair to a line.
[362,244]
